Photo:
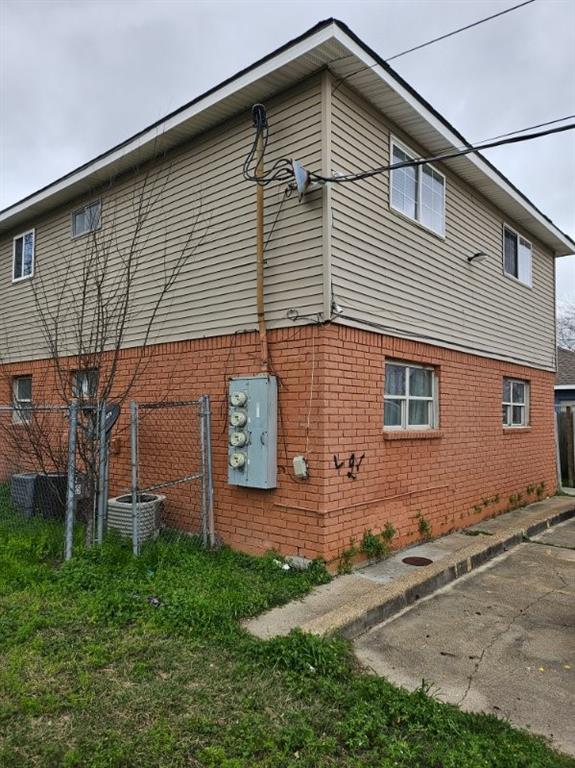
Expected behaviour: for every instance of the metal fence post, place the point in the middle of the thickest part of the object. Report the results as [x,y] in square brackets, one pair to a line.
[134,462]
[71,487]
[106,479]
[209,478]
[204,500]
[101,475]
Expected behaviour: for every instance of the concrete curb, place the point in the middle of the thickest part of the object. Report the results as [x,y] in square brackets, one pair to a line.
[385,600]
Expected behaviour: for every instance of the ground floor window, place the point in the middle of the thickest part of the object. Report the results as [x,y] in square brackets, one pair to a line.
[22,398]
[85,384]
[410,398]
[515,403]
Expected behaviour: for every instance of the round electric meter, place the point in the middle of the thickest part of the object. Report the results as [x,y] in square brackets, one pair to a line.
[238,399]
[238,439]
[238,419]
[237,460]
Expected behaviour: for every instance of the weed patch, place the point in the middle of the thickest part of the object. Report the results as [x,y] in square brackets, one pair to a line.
[114,662]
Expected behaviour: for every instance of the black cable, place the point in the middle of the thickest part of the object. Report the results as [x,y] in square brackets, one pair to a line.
[529,128]
[482,142]
[434,40]
[445,156]
[457,31]
[287,192]
[281,169]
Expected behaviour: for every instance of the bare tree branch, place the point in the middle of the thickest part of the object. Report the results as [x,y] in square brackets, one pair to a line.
[88,302]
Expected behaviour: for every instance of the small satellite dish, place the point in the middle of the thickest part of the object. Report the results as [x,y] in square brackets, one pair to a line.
[301,178]
[112,414]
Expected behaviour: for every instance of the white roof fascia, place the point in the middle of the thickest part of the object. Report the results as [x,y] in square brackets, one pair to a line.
[267,67]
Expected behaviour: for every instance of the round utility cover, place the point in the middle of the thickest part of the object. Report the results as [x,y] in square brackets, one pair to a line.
[417,561]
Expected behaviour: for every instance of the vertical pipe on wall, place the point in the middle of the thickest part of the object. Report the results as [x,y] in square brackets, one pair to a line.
[260,296]
[71,486]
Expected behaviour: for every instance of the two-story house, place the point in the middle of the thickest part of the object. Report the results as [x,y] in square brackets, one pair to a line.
[409,316]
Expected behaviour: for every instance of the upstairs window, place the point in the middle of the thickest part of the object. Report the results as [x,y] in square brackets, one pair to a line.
[516,256]
[418,192]
[86,219]
[22,399]
[23,256]
[515,403]
[410,399]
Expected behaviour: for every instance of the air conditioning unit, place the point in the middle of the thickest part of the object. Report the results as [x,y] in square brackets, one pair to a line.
[43,494]
[150,507]
[22,490]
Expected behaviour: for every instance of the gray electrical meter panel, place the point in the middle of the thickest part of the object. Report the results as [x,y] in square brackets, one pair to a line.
[252,431]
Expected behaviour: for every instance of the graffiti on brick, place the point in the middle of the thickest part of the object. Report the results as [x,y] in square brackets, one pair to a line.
[353,464]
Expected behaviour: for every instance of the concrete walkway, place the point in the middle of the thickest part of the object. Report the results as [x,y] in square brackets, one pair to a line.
[499,640]
[354,603]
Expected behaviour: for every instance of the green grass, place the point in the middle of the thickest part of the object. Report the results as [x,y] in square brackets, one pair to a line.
[110,661]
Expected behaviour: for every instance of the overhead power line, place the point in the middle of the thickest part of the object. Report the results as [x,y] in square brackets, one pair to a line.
[457,31]
[282,169]
[530,128]
[434,40]
[482,142]
[445,156]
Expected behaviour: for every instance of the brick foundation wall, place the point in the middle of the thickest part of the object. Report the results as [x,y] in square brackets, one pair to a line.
[331,405]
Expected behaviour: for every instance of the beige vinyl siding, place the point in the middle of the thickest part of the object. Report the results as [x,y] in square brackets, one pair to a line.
[389,270]
[216,292]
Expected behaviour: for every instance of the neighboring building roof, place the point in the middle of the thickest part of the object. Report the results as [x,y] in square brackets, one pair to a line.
[565,368]
[330,43]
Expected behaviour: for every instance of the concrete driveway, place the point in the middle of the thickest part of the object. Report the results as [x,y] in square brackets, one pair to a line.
[500,640]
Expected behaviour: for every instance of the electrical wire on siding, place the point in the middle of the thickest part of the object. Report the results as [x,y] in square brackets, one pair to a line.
[343,179]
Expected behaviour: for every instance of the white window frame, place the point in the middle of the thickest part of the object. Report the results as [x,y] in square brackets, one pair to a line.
[509,404]
[81,210]
[21,236]
[405,399]
[417,219]
[518,236]
[20,414]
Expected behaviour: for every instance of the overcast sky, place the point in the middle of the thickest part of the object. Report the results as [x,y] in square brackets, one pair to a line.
[79,76]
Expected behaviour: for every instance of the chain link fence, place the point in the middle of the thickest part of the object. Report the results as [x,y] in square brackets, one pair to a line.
[37,480]
[171,470]
[58,468]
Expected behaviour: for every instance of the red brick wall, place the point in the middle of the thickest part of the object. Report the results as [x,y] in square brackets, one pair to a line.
[331,404]
[452,478]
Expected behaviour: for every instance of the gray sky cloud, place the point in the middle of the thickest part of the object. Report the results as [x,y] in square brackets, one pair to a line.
[78,77]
